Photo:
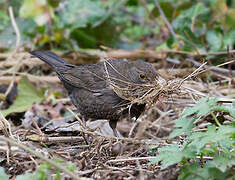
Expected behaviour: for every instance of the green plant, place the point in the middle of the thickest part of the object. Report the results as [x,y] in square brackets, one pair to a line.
[43,172]
[129,24]
[217,143]
[27,95]
[64,25]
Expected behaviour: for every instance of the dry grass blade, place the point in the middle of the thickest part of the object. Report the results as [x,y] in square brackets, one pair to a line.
[194,73]
[128,90]
[184,87]
[151,93]
[37,154]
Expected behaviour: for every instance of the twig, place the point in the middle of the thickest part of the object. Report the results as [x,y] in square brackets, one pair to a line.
[193,44]
[15,28]
[194,72]
[96,134]
[54,139]
[131,159]
[145,5]
[213,68]
[39,155]
[141,174]
[132,129]
[205,157]
[215,118]
[10,86]
[79,120]
[4,124]
[195,54]
[119,53]
[229,56]
[26,62]
[6,127]
[16,49]
[165,18]
[33,78]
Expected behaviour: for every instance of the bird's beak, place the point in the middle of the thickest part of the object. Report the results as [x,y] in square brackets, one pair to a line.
[161,81]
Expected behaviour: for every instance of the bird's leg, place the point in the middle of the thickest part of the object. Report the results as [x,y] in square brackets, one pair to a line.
[83,120]
[113,125]
[85,136]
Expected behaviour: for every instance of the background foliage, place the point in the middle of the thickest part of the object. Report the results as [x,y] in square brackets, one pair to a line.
[71,25]
[80,25]
[216,142]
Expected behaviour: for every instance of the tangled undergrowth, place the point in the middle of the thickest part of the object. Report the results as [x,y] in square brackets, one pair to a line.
[56,144]
[187,130]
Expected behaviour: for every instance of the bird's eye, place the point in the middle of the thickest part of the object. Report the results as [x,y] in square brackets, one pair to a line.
[142,76]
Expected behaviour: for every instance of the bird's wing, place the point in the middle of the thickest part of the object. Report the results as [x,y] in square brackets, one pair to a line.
[90,77]
[95,77]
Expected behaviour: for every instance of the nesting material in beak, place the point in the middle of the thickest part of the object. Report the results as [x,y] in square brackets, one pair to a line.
[162,82]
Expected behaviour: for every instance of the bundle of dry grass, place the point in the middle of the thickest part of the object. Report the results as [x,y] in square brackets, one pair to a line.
[148,93]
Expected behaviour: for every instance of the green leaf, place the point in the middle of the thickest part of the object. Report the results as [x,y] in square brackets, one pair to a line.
[193,38]
[212,170]
[4,20]
[3,175]
[202,108]
[38,10]
[27,95]
[172,154]
[193,171]
[187,17]
[80,13]
[182,126]
[200,139]
[26,176]
[222,162]
[214,39]
[135,32]
[165,158]
[228,109]
[228,39]
[8,36]
[162,46]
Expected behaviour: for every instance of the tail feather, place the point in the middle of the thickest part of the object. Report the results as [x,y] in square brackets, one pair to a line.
[58,64]
[50,58]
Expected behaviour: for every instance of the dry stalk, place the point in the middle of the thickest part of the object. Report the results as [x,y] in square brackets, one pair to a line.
[96,134]
[151,93]
[17,66]
[5,126]
[136,93]
[147,93]
[39,155]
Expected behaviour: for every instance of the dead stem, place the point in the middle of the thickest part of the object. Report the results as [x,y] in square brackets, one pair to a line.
[39,155]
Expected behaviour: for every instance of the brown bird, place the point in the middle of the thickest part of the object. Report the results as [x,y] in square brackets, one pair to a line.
[106,90]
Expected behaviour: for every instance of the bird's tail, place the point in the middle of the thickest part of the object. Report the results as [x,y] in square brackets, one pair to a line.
[50,58]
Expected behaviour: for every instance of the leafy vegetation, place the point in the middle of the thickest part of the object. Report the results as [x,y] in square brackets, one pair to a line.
[27,95]
[71,25]
[84,26]
[42,172]
[216,143]
[3,175]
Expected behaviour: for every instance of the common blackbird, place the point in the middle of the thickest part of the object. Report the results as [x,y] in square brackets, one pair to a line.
[107,89]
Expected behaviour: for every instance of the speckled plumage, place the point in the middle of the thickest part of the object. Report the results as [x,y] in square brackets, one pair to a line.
[89,85]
